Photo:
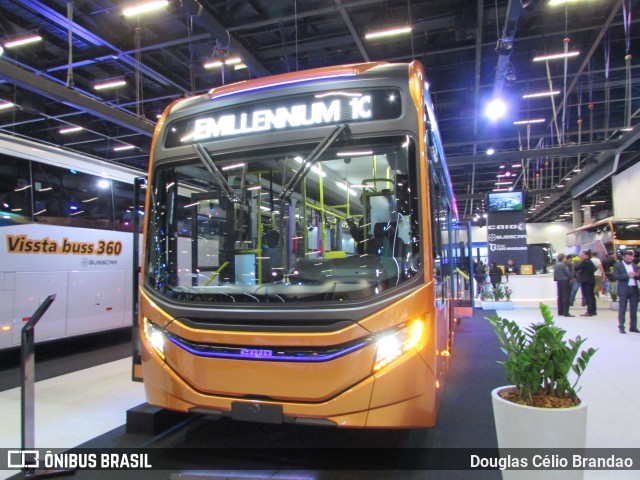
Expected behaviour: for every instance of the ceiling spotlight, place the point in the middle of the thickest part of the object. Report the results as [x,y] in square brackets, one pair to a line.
[490,151]
[496,109]
[6,105]
[510,76]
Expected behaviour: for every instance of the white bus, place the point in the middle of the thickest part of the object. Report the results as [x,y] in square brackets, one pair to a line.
[66,226]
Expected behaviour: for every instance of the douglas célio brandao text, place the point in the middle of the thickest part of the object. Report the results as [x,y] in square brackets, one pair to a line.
[551,462]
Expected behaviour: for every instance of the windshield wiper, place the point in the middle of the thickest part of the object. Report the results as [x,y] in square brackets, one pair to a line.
[227,191]
[310,161]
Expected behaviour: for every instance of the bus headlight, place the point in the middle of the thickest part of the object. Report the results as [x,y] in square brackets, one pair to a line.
[155,336]
[393,345]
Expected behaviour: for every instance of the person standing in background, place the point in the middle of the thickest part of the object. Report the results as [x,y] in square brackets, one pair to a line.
[511,268]
[627,273]
[495,275]
[607,265]
[585,272]
[480,276]
[575,284]
[599,274]
[562,277]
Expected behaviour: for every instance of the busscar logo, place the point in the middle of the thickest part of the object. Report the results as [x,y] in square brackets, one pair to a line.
[23,459]
[87,262]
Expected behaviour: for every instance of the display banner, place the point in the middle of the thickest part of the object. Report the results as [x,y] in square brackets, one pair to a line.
[507,237]
[253,462]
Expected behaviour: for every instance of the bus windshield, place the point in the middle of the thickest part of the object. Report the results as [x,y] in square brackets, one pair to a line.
[262,226]
[626,230]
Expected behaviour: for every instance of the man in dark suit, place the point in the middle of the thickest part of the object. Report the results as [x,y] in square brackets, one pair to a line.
[585,273]
[562,276]
[627,274]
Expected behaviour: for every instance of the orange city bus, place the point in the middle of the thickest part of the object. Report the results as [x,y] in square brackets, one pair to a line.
[297,251]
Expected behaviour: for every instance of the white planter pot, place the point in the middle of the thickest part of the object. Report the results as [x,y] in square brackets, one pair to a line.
[490,305]
[521,426]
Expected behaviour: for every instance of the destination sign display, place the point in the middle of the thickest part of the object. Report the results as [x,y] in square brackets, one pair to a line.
[313,110]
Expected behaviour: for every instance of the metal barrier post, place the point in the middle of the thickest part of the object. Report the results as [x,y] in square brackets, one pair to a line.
[28,377]
[27,361]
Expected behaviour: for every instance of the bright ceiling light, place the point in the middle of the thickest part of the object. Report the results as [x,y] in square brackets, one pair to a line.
[237,61]
[70,130]
[6,105]
[527,122]
[388,33]
[120,148]
[18,42]
[109,84]
[541,94]
[561,2]
[555,56]
[495,109]
[354,153]
[144,8]
[490,151]
[214,64]
[234,166]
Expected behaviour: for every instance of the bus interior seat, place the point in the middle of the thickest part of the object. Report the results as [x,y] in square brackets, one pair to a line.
[271,239]
[385,232]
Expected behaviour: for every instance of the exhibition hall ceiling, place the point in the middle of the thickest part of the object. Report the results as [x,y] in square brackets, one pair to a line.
[560,148]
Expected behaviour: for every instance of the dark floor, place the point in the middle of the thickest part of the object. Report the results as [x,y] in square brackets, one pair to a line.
[203,447]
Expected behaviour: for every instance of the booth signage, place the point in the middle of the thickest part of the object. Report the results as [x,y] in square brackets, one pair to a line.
[507,237]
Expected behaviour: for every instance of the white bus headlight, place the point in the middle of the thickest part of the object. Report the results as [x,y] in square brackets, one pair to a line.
[155,336]
[393,345]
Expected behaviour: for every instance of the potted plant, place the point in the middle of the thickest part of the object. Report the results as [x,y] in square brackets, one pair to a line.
[540,408]
[497,298]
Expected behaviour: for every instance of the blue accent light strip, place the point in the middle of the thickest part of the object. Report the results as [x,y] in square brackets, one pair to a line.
[280,84]
[279,358]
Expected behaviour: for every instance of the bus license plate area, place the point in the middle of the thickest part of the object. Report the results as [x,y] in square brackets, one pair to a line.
[256,412]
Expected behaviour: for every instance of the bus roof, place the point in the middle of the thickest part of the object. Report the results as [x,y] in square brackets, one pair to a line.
[293,77]
[604,221]
[55,155]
